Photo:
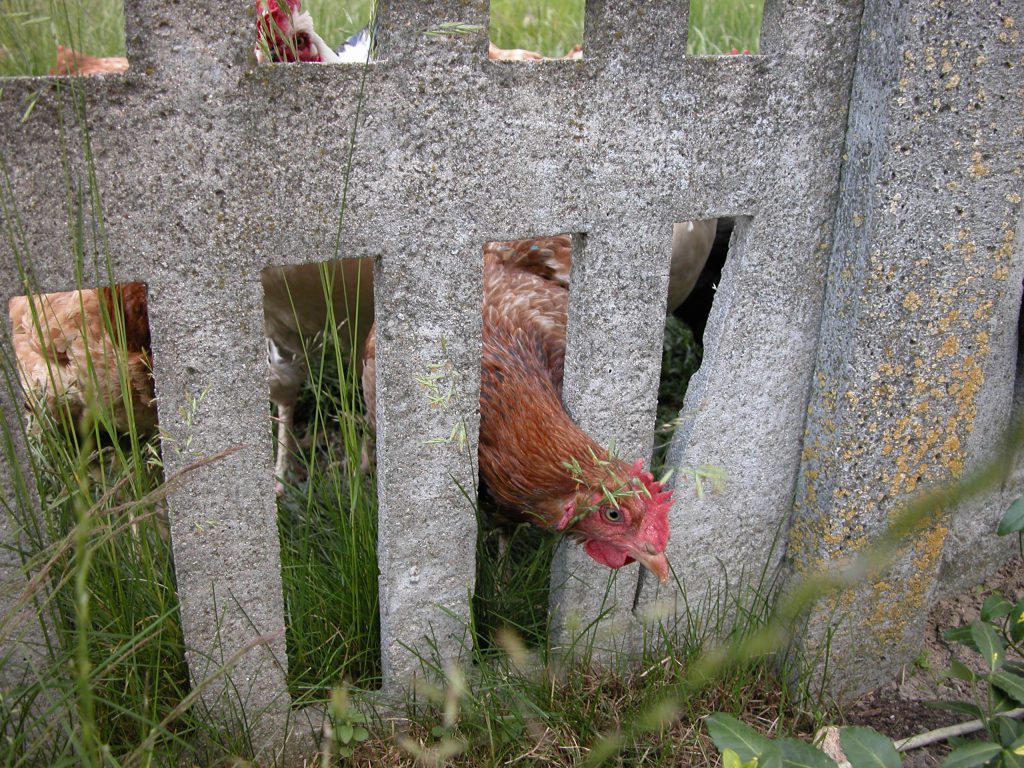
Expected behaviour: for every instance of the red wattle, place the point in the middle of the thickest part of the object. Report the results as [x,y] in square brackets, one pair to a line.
[606,554]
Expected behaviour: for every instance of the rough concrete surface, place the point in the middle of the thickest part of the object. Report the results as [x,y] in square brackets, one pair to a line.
[913,384]
[212,168]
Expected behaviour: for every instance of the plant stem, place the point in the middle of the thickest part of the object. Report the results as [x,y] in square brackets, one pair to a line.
[941,734]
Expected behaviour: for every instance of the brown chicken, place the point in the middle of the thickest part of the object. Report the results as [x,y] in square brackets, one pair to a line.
[71,353]
[537,464]
[551,257]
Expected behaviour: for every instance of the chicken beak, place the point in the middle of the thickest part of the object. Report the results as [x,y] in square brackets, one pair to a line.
[655,563]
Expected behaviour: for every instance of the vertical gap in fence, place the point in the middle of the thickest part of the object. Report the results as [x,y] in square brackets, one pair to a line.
[317,319]
[724,26]
[63,37]
[699,250]
[514,553]
[531,31]
[84,365]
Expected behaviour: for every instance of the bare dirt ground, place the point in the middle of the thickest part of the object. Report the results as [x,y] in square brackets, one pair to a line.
[898,709]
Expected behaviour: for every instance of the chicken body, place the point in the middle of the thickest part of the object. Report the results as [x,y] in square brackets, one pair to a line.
[286,34]
[71,62]
[538,465]
[298,303]
[70,353]
[54,361]
[551,257]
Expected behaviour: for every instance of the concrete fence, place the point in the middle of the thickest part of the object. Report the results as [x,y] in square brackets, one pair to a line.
[862,345]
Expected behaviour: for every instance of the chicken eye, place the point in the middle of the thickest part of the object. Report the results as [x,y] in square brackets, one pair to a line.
[612,515]
[301,40]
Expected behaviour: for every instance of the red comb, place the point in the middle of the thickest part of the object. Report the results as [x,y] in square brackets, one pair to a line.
[271,8]
[272,21]
[654,528]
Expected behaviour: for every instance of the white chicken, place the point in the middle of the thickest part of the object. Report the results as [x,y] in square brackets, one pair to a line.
[299,302]
[284,36]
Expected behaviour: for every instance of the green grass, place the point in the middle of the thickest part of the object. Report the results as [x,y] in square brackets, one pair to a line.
[549,27]
[31,29]
[680,358]
[718,26]
[327,517]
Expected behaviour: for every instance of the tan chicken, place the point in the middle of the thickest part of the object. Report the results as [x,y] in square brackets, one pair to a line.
[298,303]
[78,348]
[54,361]
[71,62]
[494,53]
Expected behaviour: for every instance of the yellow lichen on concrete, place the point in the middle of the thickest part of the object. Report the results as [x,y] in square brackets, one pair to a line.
[912,301]
[899,597]
[978,168]
[948,348]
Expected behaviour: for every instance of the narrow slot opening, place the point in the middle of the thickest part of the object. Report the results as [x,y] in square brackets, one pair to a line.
[1018,384]
[314,31]
[699,251]
[82,367]
[513,554]
[541,476]
[317,318]
[74,37]
[718,27]
[534,30]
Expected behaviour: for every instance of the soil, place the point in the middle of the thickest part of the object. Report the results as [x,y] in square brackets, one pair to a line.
[898,709]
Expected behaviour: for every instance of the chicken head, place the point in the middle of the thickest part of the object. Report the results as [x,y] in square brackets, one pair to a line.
[622,518]
[284,35]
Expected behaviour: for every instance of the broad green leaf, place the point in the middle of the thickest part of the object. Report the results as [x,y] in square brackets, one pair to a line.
[344,732]
[960,671]
[988,643]
[961,635]
[976,753]
[995,607]
[729,733]
[1000,702]
[771,757]
[1011,759]
[1015,626]
[1010,731]
[800,754]
[867,748]
[1009,683]
[1013,520]
[731,760]
[964,707]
